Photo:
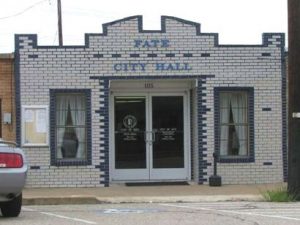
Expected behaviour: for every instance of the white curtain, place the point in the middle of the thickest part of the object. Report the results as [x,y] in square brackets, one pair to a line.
[78,115]
[77,106]
[239,105]
[61,117]
[225,109]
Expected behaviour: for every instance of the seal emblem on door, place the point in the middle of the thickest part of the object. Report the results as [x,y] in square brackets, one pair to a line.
[129,121]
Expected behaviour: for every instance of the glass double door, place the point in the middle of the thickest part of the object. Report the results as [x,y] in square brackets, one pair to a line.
[149,137]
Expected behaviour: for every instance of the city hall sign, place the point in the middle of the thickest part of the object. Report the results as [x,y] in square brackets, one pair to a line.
[159,66]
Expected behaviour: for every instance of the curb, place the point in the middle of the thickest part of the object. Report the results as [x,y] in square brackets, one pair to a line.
[73,200]
[59,200]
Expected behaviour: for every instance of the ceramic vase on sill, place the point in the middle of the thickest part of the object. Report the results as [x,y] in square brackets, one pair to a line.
[70,140]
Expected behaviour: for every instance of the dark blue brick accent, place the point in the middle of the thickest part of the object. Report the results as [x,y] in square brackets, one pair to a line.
[238,159]
[70,162]
[266,109]
[205,55]
[170,55]
[202,111]
[192,134]
[104,111]
[284,110]
[134,55]
[35,167]
[33,56]
[107,78]
[152,55]
[268,164]
[202,180]
[98,55]
[265,54]
[187,55]
[116,55]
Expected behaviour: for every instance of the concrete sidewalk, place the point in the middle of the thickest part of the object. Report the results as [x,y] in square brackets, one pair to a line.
[143,194]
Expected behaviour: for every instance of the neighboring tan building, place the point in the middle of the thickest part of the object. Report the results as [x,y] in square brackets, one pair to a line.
[135,105]
[7,98]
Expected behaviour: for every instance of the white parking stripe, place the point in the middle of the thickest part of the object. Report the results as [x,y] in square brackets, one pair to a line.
[189,207]
[28,209]
[60,216]
[233,212]
[259,214]
[68,218]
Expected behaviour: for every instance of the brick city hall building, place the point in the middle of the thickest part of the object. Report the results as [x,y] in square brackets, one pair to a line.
[135,105]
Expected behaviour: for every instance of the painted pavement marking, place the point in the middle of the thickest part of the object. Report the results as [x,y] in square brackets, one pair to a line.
[245,211]
[128,210]
[59,216]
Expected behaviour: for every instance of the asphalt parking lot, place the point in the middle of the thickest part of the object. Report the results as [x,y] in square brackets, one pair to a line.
[231,213]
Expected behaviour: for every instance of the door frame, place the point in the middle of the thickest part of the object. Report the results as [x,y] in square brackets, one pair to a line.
[159,173]
[172,89]
[138,174]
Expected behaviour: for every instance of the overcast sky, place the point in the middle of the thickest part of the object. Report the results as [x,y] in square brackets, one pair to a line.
[236,21]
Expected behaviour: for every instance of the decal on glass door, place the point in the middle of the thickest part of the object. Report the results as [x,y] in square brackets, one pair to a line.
[130,132]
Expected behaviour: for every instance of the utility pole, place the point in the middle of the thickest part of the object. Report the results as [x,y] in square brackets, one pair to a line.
[294,97]
[60,37]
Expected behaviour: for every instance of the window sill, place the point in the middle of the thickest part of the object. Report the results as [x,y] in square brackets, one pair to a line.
[71,162]
[34,145]
[237,159]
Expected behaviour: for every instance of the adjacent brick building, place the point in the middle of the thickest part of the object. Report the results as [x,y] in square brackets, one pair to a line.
[7,97]
[135,105]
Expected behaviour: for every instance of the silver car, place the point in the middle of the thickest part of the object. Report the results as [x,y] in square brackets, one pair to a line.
[13,172]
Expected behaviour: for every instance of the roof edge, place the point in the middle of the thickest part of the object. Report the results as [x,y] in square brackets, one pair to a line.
[7,56]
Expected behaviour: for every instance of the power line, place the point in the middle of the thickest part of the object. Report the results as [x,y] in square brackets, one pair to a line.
[25,10]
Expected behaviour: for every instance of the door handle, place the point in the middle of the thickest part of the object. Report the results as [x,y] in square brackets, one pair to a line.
[153,135]
[146,136]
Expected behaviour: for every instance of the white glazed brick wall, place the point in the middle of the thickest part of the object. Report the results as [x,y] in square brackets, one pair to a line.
[241,66]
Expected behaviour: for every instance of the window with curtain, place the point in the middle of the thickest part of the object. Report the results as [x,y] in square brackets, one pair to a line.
[71,126]
[234,124]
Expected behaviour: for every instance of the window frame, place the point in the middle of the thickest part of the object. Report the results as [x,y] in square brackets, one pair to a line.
[70,162]
[35,107]
[250,119]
